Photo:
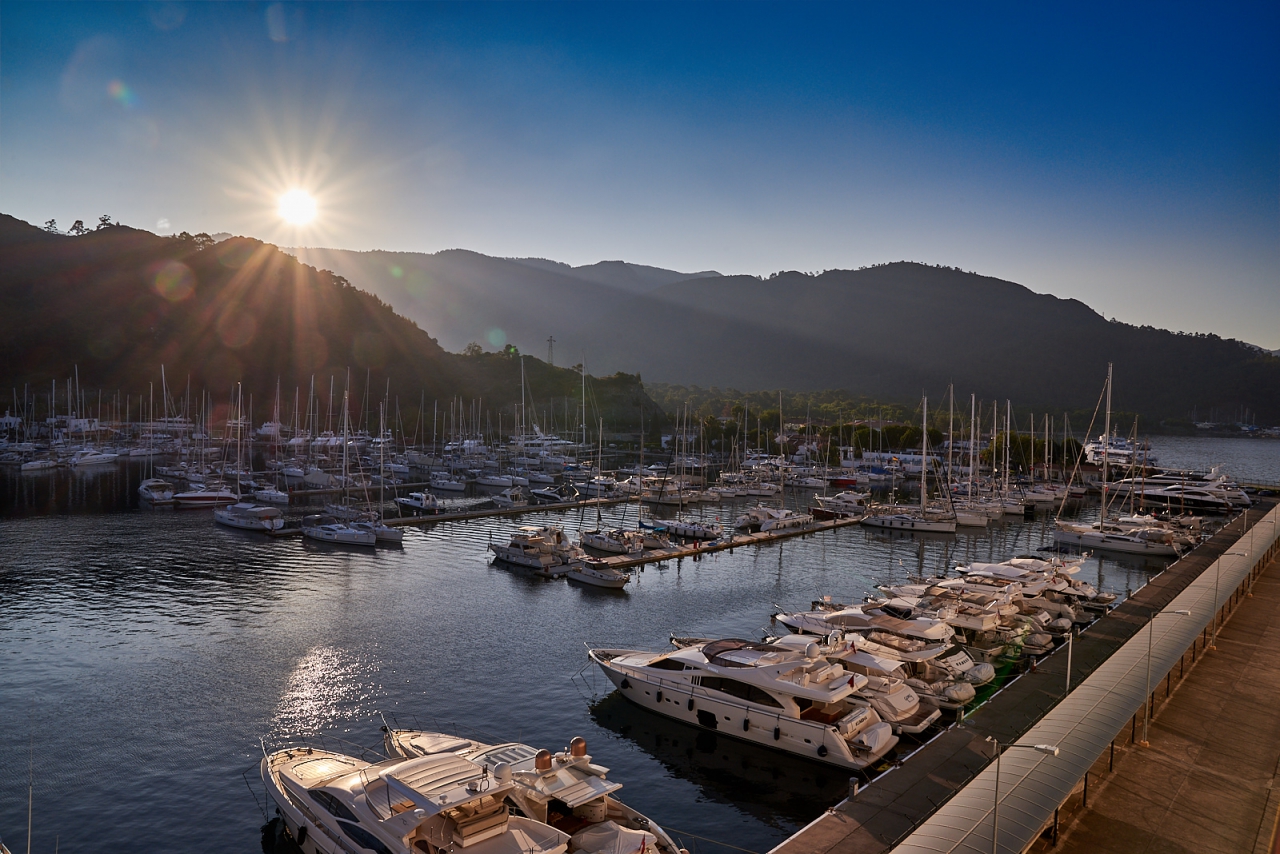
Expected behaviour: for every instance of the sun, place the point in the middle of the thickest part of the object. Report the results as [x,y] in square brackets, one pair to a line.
[297,207]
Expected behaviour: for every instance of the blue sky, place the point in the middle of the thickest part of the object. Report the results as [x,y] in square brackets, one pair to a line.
[1125,156]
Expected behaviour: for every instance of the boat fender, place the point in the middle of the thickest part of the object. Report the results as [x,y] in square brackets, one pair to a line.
[691,704]
[746,724]
[777,733]
[625,684]
[822,750]
[302,835]
[659,696]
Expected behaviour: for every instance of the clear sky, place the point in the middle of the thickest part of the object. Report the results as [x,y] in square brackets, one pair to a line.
[1125,156]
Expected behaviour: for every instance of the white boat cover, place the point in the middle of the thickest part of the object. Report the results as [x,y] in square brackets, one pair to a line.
[608,838]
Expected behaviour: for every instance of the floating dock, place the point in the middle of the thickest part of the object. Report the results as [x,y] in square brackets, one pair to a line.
[732,541]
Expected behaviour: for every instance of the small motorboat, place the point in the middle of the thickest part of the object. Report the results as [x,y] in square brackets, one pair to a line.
[597,574]
[420,502]
[271,495]
[156,491]
[210,495]
[249,517]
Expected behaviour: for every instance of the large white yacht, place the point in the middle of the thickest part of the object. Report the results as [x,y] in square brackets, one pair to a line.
[1144,541]
[768,694]
[433,804]
[565,790]
[889,694]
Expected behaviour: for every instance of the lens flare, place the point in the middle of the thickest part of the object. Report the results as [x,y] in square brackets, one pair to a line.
[122,93]
[297,207]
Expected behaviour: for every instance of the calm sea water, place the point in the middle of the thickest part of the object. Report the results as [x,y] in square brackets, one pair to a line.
[144,656]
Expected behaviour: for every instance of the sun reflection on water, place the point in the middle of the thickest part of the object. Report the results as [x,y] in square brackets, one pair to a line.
[327,685]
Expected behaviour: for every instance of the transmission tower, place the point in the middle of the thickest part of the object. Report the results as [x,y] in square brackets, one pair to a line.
[551,351]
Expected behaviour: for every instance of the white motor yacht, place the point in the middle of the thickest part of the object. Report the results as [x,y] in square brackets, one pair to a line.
[420,502]
[764,519]
[688,530]
[271,495]
[597,574]
[433,804]
[1145,541]
[894,700]
[39,465]
[444,483]
[565,790]
[616,541]
[249,517]
[510,498]
[845,503]
[545,550]
[768,694]
[501,481]
[89,457]
[210,495]
[156,491]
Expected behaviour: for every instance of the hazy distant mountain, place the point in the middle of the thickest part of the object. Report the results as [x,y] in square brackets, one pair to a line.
[463,296]
[897,330]
[116,304]
[891,331]
[636,278]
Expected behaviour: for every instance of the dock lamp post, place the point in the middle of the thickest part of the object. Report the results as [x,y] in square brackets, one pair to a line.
[1047,749]
[1146,700]
[1213,641]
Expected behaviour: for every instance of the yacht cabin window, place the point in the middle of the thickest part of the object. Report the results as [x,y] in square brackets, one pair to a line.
[332,805]
[364,838]
[741,690]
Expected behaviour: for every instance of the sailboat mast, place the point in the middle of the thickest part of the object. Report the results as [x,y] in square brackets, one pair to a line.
[973,422]
[1106,444]
[924,454]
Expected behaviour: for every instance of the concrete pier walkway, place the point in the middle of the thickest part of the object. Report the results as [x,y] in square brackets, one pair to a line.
[1209,781]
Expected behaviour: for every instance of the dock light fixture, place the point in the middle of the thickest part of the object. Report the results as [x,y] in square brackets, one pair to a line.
[1146,700]
[1047,749]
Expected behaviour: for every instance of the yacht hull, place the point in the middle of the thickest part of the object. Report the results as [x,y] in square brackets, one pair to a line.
[807,739]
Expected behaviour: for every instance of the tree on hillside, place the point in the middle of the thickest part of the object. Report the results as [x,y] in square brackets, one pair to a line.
[104,221]
[51,225]
[510,351]
[77,228]
[472,349]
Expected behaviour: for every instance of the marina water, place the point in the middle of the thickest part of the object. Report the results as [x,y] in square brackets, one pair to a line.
[144,655]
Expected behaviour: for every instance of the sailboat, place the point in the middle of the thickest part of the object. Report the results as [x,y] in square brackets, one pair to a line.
[156,491]
[327,529]
[1106,534]
[244,514]
[922,520]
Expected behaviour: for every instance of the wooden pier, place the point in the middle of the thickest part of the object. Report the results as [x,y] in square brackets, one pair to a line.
[731,541]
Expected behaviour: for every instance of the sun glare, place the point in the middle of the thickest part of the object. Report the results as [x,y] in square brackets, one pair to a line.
[297,207]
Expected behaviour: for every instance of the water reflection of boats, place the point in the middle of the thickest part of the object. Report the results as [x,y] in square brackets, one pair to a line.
[778,789]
